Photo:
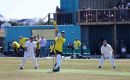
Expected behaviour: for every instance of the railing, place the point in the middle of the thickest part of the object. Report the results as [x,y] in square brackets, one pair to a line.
[94,16]
[64,18]
[47,19]
[103,15]
[61,18]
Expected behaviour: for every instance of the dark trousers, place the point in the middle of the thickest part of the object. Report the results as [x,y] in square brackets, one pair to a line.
[42,52]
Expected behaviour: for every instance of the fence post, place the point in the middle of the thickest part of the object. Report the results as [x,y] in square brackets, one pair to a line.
[114,16]
[96,15]
[78,16]
[48,18]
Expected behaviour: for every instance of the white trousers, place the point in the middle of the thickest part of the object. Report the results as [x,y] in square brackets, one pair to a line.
[58,61]
[28,55]
[111,59]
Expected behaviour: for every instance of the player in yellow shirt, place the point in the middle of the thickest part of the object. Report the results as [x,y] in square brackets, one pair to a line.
[59,41]
[77,44]
[16,47]
[52,51]
[22,41]
[37,48]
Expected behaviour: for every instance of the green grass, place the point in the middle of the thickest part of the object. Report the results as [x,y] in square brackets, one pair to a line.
[96,72]
[71,70]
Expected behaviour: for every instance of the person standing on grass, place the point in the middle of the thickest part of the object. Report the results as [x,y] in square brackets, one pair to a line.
[107,52]
[30,49]
[43,43]
[36,40]
[59,41]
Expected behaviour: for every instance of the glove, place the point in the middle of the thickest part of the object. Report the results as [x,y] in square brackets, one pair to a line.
[59,35]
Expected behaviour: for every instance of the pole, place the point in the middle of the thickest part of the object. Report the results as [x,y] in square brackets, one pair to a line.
[115,32]
[115,37]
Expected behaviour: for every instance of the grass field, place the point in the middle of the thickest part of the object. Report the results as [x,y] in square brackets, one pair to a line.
[71,70]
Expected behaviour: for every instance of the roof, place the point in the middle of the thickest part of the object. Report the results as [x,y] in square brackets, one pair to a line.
[26,20]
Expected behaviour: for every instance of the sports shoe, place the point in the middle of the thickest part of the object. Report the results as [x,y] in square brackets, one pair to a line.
[21,68]
[114,67]
[99,67]
[35,67]
[59,68]
[56,70]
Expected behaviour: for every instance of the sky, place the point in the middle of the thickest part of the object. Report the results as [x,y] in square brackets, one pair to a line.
[19,9]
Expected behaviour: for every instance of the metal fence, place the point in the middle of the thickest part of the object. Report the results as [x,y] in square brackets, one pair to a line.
[61,18]
[103,15]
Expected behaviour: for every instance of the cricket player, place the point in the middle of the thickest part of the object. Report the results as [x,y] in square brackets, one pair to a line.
[37,41]
[107,52]
[30,49]
[16,47]
[77,44]
[22,41]
[59,41]
[51,49]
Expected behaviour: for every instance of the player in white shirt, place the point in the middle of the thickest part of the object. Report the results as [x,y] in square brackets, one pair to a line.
[107,52]
[30,49]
